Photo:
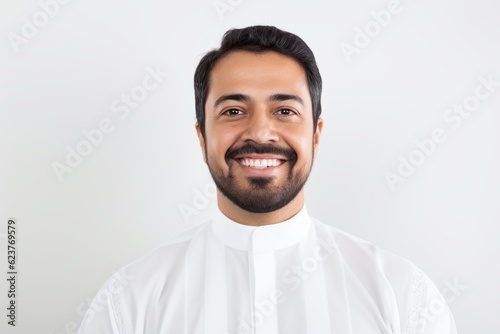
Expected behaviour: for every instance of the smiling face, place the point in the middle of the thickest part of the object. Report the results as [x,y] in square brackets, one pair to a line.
[259,142]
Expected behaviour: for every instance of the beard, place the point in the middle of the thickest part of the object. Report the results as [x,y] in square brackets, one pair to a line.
[263,195]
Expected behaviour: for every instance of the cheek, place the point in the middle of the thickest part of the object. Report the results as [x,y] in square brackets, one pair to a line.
[303,145]
[217,147]
[305,154]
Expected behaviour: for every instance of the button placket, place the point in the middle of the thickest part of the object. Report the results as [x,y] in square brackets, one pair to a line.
[264,303]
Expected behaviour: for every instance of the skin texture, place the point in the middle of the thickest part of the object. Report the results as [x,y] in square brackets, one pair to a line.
[259,102]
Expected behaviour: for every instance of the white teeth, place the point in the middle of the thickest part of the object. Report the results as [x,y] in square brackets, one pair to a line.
[260,163]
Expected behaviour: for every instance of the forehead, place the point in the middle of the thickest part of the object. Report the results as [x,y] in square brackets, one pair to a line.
[258,74]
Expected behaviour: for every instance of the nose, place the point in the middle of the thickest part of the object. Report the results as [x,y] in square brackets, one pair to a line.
[261,128]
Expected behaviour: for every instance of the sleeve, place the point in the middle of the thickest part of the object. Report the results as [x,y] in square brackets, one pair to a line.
[429,312]
[101,317]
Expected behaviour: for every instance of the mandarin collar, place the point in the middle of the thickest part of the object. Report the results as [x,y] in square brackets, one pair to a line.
[261,238]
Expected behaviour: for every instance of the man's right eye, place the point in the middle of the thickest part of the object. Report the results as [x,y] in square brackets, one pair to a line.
[232,112]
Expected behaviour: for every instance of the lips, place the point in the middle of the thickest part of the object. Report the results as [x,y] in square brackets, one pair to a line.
[258,156]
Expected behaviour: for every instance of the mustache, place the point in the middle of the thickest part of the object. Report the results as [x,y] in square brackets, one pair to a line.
[252,147]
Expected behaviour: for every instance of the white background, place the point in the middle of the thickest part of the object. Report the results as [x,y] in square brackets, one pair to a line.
[125,196]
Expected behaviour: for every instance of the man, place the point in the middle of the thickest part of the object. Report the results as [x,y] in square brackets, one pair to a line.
[262,265]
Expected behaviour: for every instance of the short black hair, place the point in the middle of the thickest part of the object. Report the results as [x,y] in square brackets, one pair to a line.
[258,39]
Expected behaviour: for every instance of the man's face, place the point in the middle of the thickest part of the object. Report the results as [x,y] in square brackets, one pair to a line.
[259,142]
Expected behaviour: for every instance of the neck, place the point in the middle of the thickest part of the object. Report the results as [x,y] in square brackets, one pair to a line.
[237,214]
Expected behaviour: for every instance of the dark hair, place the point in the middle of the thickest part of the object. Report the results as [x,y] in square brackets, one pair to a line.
[258,39]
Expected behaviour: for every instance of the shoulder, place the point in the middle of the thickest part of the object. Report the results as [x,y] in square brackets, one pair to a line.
[162,265]
[372,269]
[127,294]
[168,256]
[389,278]
[363,255]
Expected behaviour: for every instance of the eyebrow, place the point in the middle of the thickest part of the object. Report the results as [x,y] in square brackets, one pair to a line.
[235,97]
[285,97]
[244,98]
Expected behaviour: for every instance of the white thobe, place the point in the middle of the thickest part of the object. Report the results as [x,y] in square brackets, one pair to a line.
[300,276]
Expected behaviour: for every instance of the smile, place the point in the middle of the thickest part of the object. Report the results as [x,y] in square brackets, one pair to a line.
[260,163]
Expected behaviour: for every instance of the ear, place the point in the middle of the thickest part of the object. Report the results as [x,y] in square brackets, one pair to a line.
[317,136]
[201,140]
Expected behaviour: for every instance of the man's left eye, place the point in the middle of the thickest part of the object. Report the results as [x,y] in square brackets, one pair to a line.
[286,111]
